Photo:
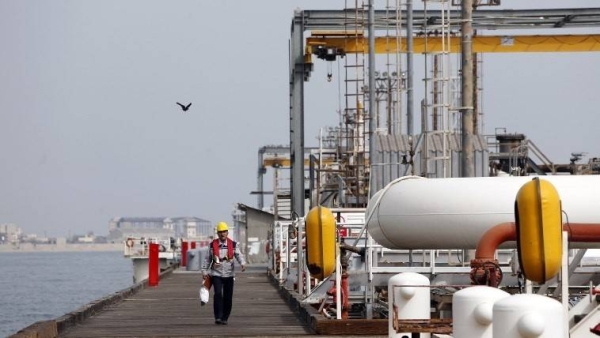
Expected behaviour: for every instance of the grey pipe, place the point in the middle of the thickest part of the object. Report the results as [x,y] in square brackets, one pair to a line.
[409,66]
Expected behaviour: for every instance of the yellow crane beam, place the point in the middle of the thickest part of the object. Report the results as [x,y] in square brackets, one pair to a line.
[481,44]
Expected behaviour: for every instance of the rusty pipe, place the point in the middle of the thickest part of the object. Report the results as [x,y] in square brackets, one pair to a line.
[491,240]
[504,232]
[582,232]
[485,270]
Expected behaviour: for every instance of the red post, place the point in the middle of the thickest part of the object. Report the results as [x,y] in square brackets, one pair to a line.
[194,245]
[184,250]
[153,267]
[345,296]
[345,293]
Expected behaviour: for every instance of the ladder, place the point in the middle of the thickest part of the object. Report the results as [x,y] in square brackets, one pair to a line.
[442,92]
[355,118]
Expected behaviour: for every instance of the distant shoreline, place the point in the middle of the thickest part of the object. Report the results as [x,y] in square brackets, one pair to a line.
[28,247]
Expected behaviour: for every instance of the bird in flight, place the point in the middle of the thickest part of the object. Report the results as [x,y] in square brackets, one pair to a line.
[184,108]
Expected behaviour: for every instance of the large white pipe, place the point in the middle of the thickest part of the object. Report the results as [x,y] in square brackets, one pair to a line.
[453,213]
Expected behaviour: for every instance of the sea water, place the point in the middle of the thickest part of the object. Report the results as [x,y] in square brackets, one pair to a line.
[37,286]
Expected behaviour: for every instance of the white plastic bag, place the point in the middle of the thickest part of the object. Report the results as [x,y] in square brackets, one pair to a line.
[204,295]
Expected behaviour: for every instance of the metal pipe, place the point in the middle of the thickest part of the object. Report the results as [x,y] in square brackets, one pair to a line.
[409,66]
[424,133]
[300,257]
[372,98]
[582,232]
[467,164]
[492,239]
[297,73]
[504,232]
[338,285]
[564,281]
[311,181]
[260,185]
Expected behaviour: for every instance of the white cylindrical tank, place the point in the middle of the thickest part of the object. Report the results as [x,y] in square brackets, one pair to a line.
[472,311]
[453,213]
[528,316]
[408,298]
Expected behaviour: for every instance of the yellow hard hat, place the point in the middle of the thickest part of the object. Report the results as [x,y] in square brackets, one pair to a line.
[222,226]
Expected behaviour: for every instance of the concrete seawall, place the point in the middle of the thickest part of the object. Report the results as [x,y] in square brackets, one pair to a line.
[28,247]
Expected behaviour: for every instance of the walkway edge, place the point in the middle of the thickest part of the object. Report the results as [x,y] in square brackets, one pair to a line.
[305,313]
[324,326]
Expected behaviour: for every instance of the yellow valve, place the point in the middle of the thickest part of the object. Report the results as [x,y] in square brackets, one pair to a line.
[539,230]
[320,242]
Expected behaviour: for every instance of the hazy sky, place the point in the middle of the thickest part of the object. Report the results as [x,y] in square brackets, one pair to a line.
[89,128]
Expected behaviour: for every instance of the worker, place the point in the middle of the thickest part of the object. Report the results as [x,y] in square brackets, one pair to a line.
[219,265]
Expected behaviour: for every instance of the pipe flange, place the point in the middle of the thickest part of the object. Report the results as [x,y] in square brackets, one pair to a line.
[485,272]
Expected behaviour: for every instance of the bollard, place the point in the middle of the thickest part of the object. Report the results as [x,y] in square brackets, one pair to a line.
[184,249]
[408,298]
[528,316]
[472,310]
[153,267]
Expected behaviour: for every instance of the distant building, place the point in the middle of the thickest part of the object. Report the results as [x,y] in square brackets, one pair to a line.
[185,227]
[136,223]
[192,227]
[10,233]
[86,239]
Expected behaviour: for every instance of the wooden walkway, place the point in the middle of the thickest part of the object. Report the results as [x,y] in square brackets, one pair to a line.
[173,310]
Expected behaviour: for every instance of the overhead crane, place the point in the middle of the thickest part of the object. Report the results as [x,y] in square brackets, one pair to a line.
[482,20]
[327,44]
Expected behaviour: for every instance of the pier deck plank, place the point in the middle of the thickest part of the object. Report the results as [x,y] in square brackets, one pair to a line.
[173,310]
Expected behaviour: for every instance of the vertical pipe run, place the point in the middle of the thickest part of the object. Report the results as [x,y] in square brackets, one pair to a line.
[436,92]
[409,65]
[467,165]
[564,280]
[425,133]
[276,193]
[372,98]
[288,247]
[153,267]
[297,73]
[260,186]
[277,251]
[475,94]
[300,254]
[338,282]
[314,195]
